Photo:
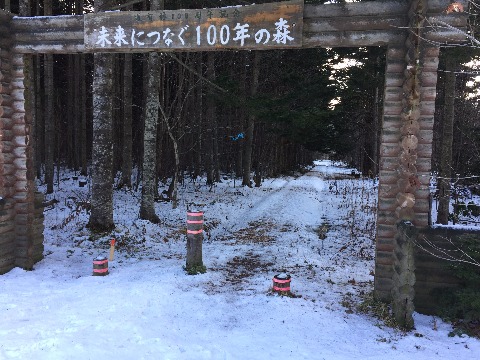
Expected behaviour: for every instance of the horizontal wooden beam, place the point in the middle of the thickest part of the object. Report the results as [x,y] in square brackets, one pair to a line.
[50,48]
[373,23]
[357,23]
[46,37]
[353,38]
[440,37]
[48,23]
[373,8]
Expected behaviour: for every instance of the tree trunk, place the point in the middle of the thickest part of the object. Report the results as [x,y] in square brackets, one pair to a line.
[161,128]
[83,123]
[101,216]
[403,279]
[173,130]
[445,170]
[147,205]
[29,81]
[198,115]
[81,129]
[127,123]
[172,189]
[177,135]
[211,114]
[247,157]
[78,96]
[71,113]
[39,118]
[242,113]
[376,135]
[49,115]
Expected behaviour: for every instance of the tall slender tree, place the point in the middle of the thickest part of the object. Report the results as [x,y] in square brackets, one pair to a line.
[101,216]
[38,105]
[80,111]
[127,163]
[247,156]
[49,111]
[83,120]
[147,206]
[446,157]
[25,10]
[211,120]
[198,116]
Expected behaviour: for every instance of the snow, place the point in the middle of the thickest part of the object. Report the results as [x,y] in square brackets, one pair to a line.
[318,228]
[461,194]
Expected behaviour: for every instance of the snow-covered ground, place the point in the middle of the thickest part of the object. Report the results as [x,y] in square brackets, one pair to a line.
[318,227]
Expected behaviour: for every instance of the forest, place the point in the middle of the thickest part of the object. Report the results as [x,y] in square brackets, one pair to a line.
[158,119]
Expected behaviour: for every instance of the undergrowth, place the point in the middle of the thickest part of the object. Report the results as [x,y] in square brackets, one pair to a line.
[196,269]
[461,306]
[378,309]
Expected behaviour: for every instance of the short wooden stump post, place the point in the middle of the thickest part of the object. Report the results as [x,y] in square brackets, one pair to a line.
[194,263]
[100,266]
[281,284]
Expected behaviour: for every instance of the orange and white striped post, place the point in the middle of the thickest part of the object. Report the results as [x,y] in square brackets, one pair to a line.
[281,284]
[194,241]
[100,266]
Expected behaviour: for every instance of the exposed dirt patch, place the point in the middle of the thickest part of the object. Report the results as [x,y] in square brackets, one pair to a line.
[241,267]
[175,234]
[238,271]
[256,232]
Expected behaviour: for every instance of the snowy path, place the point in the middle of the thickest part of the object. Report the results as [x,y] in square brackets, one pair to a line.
[147,308]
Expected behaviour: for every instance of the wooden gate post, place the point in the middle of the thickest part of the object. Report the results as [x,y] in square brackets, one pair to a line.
[21,212]
[406,143]
[28,231]
[7,211]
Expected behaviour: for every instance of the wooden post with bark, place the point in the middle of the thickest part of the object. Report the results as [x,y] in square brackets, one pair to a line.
[403,292]
[194,263]
[21,218]
[7,167]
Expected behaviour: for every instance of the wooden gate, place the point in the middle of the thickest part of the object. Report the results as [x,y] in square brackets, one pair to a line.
[412,31]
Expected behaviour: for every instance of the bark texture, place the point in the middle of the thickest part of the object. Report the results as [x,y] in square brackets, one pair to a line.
[247,156]
[49,112]
[149,183]
[403,292]
[147,206]
[445,170]
[127,122]
[101,216]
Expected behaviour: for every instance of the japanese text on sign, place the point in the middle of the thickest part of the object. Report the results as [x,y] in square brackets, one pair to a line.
[258,26]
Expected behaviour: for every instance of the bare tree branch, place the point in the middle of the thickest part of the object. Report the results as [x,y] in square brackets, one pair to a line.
[196,73]
[455,255]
